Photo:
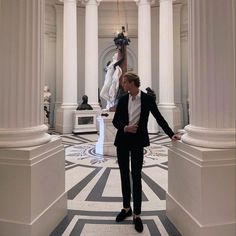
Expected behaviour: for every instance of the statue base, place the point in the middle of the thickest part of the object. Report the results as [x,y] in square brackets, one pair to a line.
[85,121]
[105,145]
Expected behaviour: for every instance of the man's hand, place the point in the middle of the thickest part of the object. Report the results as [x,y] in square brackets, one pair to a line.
[131,128]
[176,137]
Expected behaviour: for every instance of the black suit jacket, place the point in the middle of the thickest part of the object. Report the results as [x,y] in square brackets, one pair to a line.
[121,119]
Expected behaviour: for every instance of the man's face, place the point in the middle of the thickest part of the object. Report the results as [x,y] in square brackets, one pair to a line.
[126,84]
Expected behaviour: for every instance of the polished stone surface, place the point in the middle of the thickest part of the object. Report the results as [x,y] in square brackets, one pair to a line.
[94,192]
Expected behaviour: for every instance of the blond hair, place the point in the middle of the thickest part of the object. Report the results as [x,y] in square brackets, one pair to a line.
[132,77]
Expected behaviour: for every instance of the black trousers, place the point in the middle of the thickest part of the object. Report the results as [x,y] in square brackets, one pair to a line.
[123,156]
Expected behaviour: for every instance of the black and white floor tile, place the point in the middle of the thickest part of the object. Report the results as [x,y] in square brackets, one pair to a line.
[94,192]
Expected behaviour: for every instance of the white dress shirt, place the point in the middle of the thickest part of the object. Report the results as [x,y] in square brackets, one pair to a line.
[134,108]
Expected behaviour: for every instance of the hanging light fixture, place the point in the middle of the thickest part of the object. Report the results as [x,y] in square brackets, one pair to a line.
[118,18]
[122,26]
[126,21]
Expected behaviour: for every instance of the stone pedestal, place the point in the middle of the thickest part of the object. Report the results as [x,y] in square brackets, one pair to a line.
[202,190]
[85,121]
[32,195]
[105,145]
[46,108]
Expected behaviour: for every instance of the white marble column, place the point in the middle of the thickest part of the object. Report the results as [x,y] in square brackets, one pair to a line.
[21,90]
[59,58]
[177,59]
[91,52]
[65,113]
[166,66]
[144,43]
[31,161]
[201,169]
[212,77]
[144,51]
[184,63]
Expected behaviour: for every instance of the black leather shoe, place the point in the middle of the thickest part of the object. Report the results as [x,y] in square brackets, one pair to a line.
[123,214]
[138,224]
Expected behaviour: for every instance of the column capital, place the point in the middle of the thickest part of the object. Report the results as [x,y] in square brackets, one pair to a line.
[68,1]
[90,2]
[167,1]
[144,2]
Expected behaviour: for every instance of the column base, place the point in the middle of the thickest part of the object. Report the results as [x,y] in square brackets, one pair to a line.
[172,116]
[202,190]
[64,119]
[107,132]
[33,199]
[209,137]
[24,137]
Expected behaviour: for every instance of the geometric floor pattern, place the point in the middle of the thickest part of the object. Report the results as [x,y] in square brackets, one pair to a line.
[94,191]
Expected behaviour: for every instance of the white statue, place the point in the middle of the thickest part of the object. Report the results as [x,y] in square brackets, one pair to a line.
[111,83]
[46,95]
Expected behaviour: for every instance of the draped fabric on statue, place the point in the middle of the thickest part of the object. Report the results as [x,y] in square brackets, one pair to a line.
[115,85]
[112,89]
[111,83]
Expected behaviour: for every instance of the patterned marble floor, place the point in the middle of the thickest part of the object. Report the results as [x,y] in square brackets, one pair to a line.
[94,192]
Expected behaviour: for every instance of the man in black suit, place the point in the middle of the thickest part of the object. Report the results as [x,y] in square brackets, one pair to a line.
[130,120]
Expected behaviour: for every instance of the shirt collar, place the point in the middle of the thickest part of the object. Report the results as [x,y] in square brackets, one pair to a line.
[138,95]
